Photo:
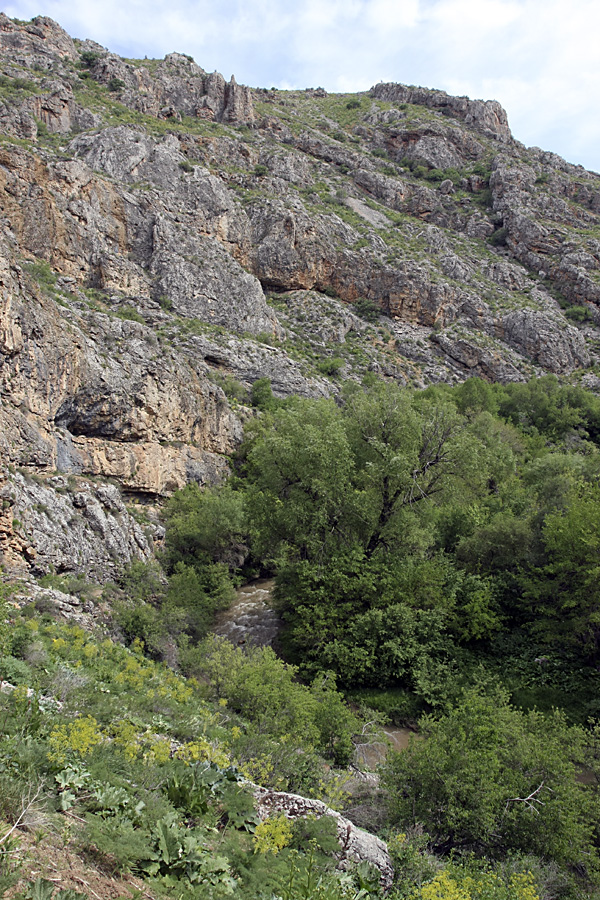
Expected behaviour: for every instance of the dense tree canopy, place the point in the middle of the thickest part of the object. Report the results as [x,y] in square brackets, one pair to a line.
[490,778]
[434,552]
[411,533]
[403,526]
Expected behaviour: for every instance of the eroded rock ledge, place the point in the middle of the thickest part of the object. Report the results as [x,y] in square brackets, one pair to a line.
[356,845]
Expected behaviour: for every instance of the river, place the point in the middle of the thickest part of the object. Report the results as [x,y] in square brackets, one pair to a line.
[369,756]
[251,619]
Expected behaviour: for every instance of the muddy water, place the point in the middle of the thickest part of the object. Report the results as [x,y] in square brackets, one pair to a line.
[250,620]
[369,756]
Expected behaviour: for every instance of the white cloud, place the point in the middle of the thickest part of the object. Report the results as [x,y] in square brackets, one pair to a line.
[537,57]
[387,16]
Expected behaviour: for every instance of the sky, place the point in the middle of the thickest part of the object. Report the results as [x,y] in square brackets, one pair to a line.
[539,58]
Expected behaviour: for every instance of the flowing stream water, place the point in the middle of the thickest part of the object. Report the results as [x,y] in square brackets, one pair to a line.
[251,619]
[368,756]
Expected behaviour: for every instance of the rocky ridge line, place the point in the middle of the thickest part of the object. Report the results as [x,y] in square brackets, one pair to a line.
[168,238]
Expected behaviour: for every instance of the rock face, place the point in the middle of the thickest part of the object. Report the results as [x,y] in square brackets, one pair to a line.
[63,526]
[486,116]
[167,238]
[356,845]
[176,87]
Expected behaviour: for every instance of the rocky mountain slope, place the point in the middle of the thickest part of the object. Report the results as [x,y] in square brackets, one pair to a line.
[168,238]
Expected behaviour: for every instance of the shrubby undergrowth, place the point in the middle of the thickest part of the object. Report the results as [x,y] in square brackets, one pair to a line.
[153,766]
[435,556]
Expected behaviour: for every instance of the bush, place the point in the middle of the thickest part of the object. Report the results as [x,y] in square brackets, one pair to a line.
[331,367]
[367,310]
[265,690]
[498,238]
[484,198]
[436,175]
[413,864]
[17,84]
[398,705]
[205,528]
[141,581]
[230,386]
[130,314]
[40,270]
[115,843]
[491,779]
[262,395]
[88,58]
[353,104]
[140,622]
[453,174]
[578,314]
[481,169]
[335,722]
[186,594]
[5,629]
[15,671]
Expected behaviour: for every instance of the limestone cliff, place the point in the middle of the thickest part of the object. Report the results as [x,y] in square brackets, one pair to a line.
[167,238]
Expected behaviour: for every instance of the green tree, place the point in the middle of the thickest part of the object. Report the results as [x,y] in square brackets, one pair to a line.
[142,580]
[406,453]
[262,394]
[205,527]
[335,722]
[342,500]
[324,480]
[474,396]
[489,778]
[546,406]
[300,490]
[566,590]
[187,606]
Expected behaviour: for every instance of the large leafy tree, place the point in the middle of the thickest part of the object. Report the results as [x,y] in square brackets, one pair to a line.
[204,525]
[403,456]
[342,500]
[300,494]
[491,779]
[564,593]
[325,479]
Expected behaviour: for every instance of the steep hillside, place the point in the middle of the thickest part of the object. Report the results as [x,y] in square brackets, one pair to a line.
[169,238]
[198,278]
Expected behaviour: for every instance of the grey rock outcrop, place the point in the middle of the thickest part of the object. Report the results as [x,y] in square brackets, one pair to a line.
[72,526]
[176,87]
[219,235]
[38,42]
[356,845]
[545,339]
[487,116]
